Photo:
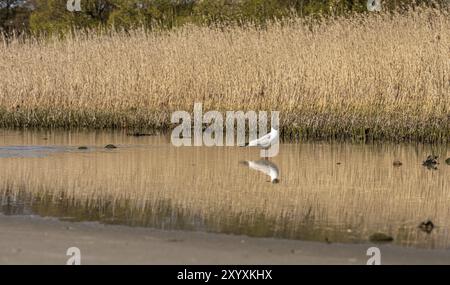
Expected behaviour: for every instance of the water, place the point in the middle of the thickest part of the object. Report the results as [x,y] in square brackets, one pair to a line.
[327,192]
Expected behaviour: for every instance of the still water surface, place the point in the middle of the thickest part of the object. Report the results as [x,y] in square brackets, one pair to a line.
[327,192]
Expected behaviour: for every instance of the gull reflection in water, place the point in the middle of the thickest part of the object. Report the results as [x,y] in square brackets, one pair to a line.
[265,166]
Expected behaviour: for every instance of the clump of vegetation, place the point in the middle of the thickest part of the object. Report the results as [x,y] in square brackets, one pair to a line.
[380,237]
[369,76]
[44,17]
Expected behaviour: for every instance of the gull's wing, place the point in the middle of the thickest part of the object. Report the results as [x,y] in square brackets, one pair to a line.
[263,141]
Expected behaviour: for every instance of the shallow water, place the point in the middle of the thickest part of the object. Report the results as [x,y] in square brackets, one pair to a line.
[328,192]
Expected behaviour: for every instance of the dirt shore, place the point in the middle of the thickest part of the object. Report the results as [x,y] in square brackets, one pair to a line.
[36,240]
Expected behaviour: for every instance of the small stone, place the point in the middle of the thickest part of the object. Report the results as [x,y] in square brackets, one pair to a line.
[83,147]
[397,163]
[427,226]
[380,237]
[447,161]
[174,240]
[431,162]
[139,134]
[110,146]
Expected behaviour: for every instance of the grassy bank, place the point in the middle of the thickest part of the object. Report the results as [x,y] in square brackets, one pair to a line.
[380,76]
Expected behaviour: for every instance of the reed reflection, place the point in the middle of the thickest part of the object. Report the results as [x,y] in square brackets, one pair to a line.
[337,192]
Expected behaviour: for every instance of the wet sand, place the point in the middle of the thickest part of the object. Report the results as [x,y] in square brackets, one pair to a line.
[36,240]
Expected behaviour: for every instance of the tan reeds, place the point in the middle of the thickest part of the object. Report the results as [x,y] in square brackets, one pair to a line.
[381,76]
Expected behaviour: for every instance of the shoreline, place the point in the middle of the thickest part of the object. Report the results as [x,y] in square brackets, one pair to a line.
[39,240]
[285,135]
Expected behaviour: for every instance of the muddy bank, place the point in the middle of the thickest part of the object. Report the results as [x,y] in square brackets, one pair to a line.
[35,240]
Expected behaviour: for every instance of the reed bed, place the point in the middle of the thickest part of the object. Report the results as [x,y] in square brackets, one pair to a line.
[371,76]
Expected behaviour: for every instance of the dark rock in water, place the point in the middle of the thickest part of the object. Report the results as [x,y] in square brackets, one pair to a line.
[427,226]
[431,162]
[139,134]
[397,163]
[82,147]
[380,237]
[447,161]
[431,159]
[110,146]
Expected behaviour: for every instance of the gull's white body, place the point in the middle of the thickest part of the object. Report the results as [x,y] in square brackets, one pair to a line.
[266,167]
[265,141]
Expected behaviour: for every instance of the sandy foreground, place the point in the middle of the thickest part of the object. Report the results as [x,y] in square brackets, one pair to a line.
[36,240]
